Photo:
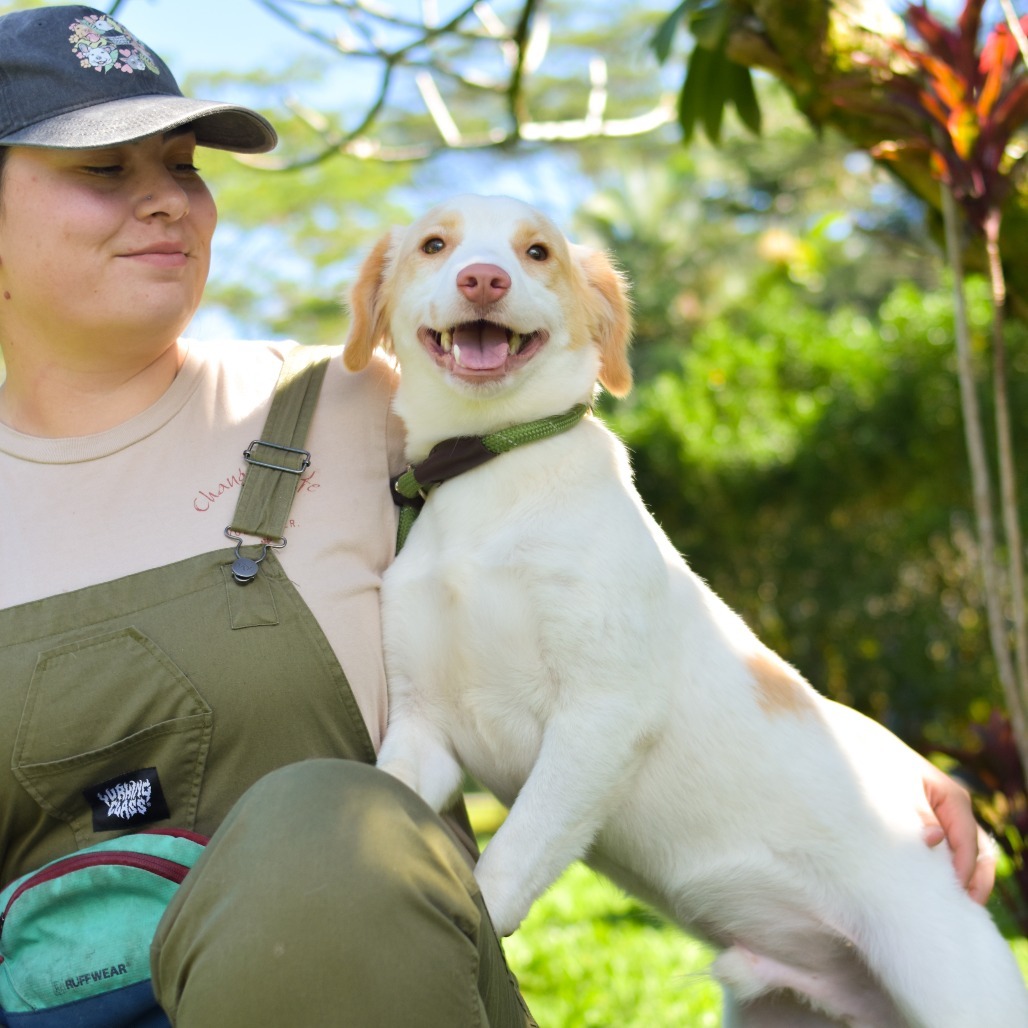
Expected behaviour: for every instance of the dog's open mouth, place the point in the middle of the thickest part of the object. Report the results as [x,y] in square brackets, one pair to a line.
[481,349]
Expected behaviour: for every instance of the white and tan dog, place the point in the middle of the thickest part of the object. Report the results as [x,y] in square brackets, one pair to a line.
[542,632]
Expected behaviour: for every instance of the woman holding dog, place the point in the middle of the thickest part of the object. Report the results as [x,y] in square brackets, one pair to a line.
[236,685]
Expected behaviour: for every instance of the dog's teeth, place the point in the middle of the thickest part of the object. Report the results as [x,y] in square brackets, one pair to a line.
[446,341]
[515,343]
[456,354]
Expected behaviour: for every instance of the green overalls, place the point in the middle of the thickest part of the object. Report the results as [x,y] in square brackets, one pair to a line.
[329,894]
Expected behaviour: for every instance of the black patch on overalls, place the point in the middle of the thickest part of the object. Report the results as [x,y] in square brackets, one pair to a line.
[131,799]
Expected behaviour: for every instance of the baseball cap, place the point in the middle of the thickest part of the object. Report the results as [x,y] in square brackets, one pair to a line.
[72,77]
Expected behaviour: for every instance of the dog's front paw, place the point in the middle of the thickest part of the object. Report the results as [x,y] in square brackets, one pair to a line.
[505,912]
[401,770]
[423,763]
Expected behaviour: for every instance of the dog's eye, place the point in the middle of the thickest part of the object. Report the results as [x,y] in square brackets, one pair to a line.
[433,245]
[538,252]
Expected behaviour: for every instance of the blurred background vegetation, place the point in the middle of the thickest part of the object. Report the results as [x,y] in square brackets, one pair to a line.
[796,426]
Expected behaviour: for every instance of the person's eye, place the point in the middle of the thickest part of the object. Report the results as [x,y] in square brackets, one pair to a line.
[185,168]
[103,170]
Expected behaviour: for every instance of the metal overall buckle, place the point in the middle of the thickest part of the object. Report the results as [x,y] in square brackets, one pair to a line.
[244,569]
[305,457]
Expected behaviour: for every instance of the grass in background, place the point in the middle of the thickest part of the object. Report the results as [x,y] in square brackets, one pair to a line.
[588,956]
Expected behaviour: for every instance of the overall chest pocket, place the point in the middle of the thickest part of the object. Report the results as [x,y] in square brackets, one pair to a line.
[112,736]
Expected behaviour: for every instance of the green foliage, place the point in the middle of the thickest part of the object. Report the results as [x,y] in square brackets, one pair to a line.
[796,425]
[699,230]
[712,79]
[587,956]
[810,465]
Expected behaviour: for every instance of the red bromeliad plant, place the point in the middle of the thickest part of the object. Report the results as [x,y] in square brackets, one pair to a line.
[962,105]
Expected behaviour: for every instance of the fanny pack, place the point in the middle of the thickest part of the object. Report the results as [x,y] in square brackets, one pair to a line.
[75,934]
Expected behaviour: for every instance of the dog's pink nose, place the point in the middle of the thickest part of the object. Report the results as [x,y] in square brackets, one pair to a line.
[483,283]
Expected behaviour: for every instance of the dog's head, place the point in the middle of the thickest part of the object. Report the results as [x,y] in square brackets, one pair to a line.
[485,299]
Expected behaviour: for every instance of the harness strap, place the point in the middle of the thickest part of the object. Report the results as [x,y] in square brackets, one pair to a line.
[453,457]
[275,461]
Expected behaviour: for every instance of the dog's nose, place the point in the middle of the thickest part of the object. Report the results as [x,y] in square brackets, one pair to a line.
[483,283]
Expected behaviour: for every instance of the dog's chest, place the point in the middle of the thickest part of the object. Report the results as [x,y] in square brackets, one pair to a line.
[474,657]
[483,614]
[474,616]
[518,582]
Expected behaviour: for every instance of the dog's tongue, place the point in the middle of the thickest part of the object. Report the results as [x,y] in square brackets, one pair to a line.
[482,345]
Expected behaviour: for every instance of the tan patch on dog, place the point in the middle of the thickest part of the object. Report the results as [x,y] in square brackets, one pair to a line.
[780,689]
[530,231]
[607,317]
[369,314]
[447,225]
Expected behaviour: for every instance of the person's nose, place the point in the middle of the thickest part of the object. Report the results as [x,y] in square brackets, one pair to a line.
[163,194]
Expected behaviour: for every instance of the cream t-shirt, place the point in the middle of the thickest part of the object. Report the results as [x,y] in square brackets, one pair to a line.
[162,486]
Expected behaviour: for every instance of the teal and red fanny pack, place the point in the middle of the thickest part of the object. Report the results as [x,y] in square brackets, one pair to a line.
[75,934]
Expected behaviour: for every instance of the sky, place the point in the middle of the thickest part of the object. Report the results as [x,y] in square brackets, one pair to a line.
[230,33]
[192,34]
[240,34]
[208,35]
[211,34]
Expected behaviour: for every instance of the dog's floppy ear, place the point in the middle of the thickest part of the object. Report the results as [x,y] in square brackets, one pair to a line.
[611,313]
[369,317]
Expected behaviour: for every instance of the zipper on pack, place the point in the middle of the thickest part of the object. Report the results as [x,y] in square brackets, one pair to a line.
[162,866]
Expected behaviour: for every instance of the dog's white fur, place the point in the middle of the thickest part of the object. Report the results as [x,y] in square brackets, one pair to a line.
[542,632]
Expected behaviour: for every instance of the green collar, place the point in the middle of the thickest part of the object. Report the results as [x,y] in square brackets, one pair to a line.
[452,457]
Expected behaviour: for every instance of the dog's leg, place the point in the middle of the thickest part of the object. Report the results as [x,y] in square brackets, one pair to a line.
[939,954]
[837,995]
[576,781]
[774,1010]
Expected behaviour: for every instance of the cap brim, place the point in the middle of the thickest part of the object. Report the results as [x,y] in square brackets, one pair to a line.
[218,125]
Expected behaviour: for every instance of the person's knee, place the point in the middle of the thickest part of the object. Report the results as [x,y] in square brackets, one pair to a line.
[329,840]
[349,822]
[322,866]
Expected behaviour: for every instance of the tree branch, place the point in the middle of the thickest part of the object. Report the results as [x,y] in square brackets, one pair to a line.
[448,81]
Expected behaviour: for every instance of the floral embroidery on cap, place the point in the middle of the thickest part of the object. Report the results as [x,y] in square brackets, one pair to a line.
[100,43]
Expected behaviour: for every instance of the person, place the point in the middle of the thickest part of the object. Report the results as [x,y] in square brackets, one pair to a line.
[233,686]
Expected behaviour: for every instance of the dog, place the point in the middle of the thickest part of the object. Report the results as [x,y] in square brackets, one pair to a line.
[542,632]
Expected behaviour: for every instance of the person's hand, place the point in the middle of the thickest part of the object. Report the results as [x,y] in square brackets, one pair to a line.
[950,818]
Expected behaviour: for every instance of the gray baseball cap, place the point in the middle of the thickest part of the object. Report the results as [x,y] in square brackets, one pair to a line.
[72,77]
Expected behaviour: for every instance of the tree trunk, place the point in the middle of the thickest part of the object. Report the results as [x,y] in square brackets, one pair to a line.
[982,488]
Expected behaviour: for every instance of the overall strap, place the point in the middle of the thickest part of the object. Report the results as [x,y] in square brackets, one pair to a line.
[277,459]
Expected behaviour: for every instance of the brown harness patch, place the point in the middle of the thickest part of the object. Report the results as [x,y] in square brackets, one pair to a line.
[780,689]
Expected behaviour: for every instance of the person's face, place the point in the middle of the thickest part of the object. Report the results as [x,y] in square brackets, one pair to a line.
[114,241]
